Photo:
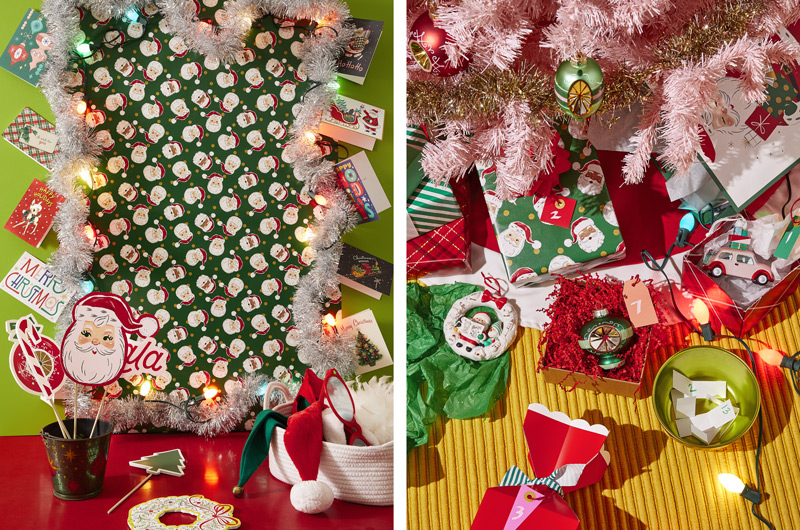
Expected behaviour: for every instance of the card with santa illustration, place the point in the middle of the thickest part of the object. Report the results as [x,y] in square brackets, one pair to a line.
[354,64]
[26,53]
[572,228]
[353,122]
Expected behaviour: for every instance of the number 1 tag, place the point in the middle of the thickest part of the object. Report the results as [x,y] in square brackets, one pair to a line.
[641,311]
[527,500]
[558,210]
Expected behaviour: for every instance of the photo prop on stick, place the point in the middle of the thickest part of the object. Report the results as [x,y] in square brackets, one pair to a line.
[35,359]
[96,347]
[166,462]
[210,168]
[565,455]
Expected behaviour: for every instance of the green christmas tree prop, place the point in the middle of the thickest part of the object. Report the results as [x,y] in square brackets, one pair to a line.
[366,351]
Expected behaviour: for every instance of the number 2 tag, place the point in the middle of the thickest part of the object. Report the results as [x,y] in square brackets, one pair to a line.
[558,210]
[527,500]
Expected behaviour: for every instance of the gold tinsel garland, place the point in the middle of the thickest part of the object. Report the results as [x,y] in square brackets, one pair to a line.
[480,97]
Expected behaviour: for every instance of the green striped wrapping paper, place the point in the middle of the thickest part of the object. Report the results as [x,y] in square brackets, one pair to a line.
[432,206]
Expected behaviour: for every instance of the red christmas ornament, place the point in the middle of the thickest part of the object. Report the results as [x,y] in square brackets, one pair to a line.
[426,42]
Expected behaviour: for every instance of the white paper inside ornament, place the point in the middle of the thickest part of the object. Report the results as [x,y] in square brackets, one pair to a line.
[764,234]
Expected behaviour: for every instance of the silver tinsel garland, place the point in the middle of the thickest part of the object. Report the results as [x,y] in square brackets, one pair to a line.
[79,152]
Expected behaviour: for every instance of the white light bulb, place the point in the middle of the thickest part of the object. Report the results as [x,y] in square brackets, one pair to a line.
[731,483]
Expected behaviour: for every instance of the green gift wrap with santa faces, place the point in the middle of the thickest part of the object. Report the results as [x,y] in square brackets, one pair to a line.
[574,228]
[199,213]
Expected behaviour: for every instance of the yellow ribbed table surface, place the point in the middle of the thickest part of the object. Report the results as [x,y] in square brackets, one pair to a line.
[653,481]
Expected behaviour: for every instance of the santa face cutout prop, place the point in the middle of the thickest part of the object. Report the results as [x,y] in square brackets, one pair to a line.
[95,345]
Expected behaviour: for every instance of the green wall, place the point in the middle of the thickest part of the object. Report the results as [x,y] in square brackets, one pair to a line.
[25,414]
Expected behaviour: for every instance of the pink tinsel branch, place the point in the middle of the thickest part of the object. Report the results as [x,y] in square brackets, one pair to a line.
[636,162]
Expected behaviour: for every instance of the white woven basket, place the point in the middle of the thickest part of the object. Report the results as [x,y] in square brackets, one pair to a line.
[362,475]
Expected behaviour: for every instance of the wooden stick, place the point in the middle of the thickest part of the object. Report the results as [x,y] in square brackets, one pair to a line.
[123,499]
[103,400]
[58,418]
[75,415]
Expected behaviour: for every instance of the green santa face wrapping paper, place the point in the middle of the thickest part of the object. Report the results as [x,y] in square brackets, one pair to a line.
[574,228]
[200,209]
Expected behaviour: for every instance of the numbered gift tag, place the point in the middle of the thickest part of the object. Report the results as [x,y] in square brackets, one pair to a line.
[789,237]
[558,210]
[641,311]
[527,500]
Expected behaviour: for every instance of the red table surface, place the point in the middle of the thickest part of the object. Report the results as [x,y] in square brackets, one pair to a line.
[212,469]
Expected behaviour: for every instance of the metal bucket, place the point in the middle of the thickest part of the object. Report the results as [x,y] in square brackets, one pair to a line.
[77,466]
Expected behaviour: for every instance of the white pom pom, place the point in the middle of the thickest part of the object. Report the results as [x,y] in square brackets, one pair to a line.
[149,326]
[567,242]
[311,496]
[536,244]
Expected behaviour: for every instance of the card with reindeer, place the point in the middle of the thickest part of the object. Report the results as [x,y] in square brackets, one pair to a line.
[33,216]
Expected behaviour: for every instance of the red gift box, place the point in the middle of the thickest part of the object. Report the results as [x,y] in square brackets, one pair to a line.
[446,246]
[723,310]
[566,455]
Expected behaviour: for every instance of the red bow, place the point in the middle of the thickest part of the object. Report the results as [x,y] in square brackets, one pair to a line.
[218,516]
[499,301]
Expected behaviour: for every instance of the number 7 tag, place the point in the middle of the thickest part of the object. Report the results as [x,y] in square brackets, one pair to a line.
[641,311]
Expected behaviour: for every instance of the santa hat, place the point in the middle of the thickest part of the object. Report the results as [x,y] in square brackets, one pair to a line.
[141,268]
[216,360]
[287,206]
[124,101]
[199,69]
[125,162]
[128,285]
[107,308]
[257,85]
[273,101]
[263,331]
[280,283]
[149,200]
[181,393]
[204,316]
[229,171]
[277,224]
[203,256]
[182,54]
[521,272]
[202,195]
[292,267]
[235,77]
[302,260]
[137,82]
[237,200]
[160,108]
[235,139]
[280,347]
[525,229]
[259,147]
[227,232]
[139,144]
[200,132]
[297,77]
[287,82]
[217,299]
[206,377]
[158,45]
[577,225]
[127,224]
[214,238]
[303,442]
[161,169]
[183,116]
[213,343]
[212,114]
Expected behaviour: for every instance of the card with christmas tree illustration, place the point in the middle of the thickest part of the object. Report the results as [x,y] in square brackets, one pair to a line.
[364,272]
[32,218]
[371,350]
[353,122]
[358,53]
[34,136]
[26,53]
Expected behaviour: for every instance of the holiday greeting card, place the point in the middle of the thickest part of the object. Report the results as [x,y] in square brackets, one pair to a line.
[748,146]
[32,218]
[358,53]
[358,179]
[26,53]
[31,282]
[353,122]
[364,272]
[34,136]
[371,350]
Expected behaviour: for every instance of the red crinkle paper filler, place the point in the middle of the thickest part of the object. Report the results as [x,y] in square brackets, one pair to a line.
[573,302]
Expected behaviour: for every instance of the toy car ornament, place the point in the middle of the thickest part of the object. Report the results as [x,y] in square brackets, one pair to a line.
[741,263]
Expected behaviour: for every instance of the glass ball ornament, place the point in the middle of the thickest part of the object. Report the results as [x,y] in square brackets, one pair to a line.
[605,336]
[579,87]
[426,42]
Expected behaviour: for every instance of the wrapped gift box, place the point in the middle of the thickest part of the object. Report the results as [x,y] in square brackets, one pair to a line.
[724,311]
[446,246]
[574,228]
[566,455]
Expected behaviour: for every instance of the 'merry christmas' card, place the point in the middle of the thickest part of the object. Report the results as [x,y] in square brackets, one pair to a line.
[31,282]
[371,350]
